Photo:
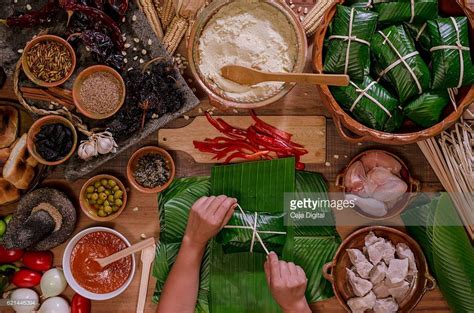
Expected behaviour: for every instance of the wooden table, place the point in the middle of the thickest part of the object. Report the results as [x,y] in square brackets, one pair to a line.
[134,224]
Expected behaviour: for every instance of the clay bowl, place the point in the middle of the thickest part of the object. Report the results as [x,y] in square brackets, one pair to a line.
[402,203]
[77,86]
[353,131]
[215,94]
[132,163]
[26,68]
[335,271]
[91,212]
[35,129]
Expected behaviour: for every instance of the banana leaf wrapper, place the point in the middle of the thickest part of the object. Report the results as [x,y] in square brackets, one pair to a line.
[363,27]
[360,4]
[426,110]
[419,33]
[409,78]
[396,11]
[270,228]
[452,67]
[374,109]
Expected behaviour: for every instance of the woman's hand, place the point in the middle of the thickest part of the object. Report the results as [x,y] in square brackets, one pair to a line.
[207,217]
[287,283]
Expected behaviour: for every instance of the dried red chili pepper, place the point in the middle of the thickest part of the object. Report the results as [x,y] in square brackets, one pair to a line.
[30,19]
[119,6]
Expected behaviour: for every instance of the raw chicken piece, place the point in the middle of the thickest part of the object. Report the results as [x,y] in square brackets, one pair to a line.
[377,251]
[397,270]
[381,290]
[361,304]
[399,292]
[404,252]
[358,259]
[368,205]
[370,239]
[360,286]
[381,159]
[388,186]
[355,178]
[389,252]
[378,273]
[387,305]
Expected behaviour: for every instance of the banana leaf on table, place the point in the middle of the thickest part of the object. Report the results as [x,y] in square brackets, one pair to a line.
[452,65]
[374,107]
[357,64]
[395,11]
[426,110]
[409,77]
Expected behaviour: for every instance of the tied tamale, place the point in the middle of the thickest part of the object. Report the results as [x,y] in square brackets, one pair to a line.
[396,11]
[426,110]
[370,103]
[419,33]
[452,65]
[349,42]
[403,66]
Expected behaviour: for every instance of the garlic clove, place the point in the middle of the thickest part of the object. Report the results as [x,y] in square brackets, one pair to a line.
[87,149]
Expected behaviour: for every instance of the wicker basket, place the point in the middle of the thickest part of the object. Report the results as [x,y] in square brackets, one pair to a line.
[353,131]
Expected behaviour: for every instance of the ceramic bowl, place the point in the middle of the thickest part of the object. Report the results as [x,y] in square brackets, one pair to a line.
[132,163]
[335,271]
[26,68]
[67,266]
[91,212]
[80,79]
[35,129]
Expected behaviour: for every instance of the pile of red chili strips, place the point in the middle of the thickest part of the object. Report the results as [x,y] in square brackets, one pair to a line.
[259,141]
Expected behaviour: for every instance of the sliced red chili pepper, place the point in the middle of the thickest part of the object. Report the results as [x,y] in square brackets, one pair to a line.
[269,127]
[240,155]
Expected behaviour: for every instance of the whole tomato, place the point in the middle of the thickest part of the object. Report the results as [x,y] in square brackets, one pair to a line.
[10,256]
[80,304]
[40,261]
[26,278]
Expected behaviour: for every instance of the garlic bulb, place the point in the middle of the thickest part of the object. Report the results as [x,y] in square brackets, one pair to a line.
[106,143]
[87,149]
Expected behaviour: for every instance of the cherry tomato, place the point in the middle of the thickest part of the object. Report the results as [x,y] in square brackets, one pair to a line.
[26,278]
[80,304]
[38,260]
[10,256]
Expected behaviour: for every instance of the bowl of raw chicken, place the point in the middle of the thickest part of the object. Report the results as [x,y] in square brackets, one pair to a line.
[379,183]
[379,269]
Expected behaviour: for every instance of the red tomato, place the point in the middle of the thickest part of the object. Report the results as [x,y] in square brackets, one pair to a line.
[38,260]
[26,278]
[10,256]
[80,304]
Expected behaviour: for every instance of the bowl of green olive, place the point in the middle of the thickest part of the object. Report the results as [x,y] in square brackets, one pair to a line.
[103,198]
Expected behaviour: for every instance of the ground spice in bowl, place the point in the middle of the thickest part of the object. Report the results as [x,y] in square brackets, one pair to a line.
[100,93]
[54,142]
[151,171]
[49,61]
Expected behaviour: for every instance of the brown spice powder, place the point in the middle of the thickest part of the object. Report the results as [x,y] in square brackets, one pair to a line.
[100,93]
[49,61]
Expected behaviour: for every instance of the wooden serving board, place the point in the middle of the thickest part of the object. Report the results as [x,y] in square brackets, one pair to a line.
[310,131]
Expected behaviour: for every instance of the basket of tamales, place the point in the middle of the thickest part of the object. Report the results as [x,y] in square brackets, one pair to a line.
[409,63]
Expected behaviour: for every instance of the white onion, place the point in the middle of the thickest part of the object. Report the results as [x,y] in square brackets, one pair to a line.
[55,305]
[53,283]
[24,294]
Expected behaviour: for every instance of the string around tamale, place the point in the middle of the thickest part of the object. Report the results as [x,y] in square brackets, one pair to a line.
[363,93]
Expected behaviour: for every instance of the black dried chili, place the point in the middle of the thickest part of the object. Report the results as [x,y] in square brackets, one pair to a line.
[34,18]
[119,6]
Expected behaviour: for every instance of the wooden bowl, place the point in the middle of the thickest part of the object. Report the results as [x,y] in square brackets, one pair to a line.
[77,86]
[91,212]
[35,129]
[26,68]
[402,203]
[214,93]
[132,163]
[359,132]
[335,271]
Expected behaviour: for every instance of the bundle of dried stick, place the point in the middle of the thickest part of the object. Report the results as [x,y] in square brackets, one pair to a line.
[53,94]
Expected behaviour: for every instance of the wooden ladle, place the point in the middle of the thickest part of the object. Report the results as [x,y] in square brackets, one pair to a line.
[249,76]
[103,262]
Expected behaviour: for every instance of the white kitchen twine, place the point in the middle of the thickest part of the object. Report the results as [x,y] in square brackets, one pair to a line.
[401,59]
[412,9]
[363,93]
[452,92]
[422,29]
[349,38]
[255,232]
[458,47]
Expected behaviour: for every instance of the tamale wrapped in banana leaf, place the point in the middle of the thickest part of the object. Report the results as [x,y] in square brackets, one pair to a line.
[419,33]
[370,104]
[349,42]
[360,4]
[426,110]
[239,235]
[403,66]
[396,11]
[452,65]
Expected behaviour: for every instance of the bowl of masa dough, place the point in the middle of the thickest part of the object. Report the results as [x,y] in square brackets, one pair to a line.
[261,34]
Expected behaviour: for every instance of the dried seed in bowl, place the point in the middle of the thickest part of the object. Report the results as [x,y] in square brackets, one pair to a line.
[49,61]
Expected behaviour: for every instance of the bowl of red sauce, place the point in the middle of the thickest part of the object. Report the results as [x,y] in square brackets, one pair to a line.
[85,276]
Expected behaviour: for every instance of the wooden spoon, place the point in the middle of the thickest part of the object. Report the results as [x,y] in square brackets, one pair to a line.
[249,76]
[148,255]
[103,262]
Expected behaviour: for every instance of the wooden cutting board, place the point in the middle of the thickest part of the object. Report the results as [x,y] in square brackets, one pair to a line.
[310,131]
